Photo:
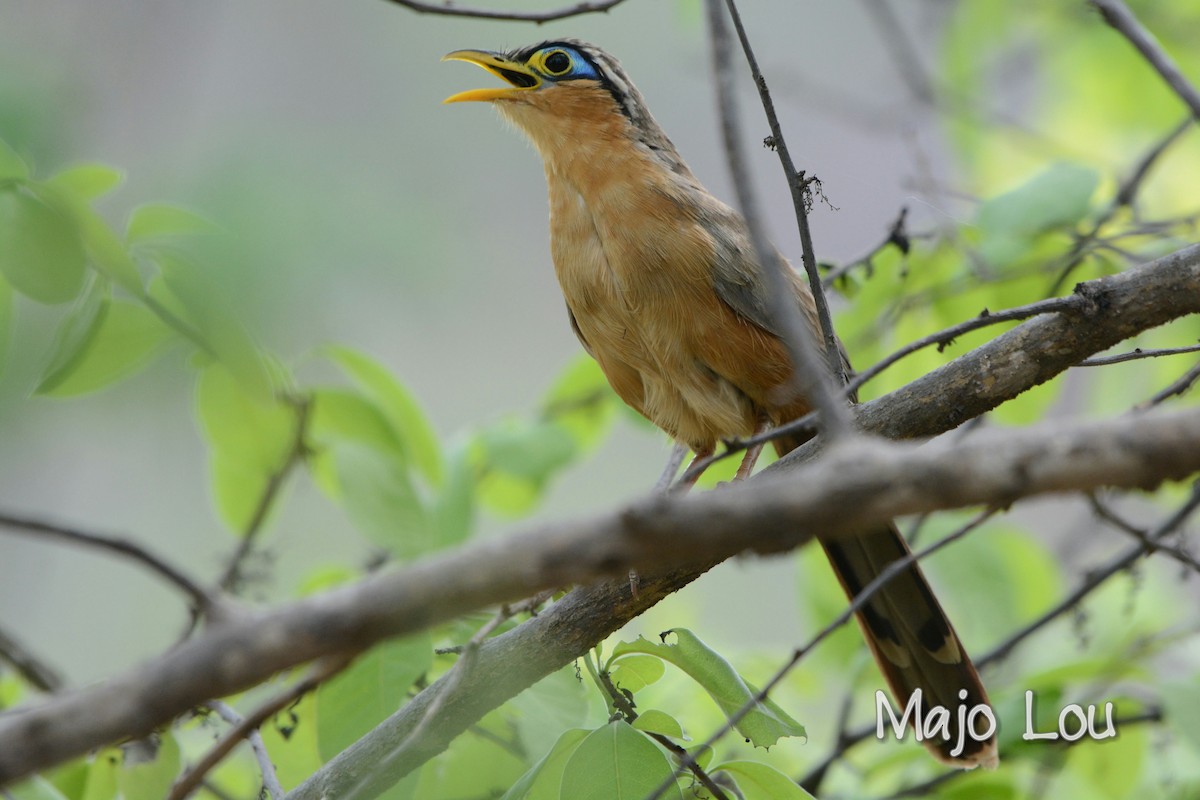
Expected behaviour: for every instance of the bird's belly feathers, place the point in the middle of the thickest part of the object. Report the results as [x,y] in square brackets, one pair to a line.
[645,308]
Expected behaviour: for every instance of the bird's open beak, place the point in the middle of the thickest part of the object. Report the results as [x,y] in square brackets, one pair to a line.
[520,76]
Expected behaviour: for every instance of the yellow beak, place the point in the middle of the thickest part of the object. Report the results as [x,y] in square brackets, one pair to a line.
[522,78]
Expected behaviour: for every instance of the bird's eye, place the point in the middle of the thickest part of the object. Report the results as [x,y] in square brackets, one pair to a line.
[557,63]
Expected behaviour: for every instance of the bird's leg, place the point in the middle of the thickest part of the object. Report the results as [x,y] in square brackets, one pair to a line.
[664,485]
[689,480]
[753,451]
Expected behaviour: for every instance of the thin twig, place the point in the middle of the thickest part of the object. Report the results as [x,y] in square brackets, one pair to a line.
[898,235]
[813,376]
[1070,303]
[297,450]
[265,766]
[1118,15]
[1151,546]
[202,600]
[1176,388]
[449,9]
[1136,354]
[801,201]
[886,575]
[1094,578]
[322,671]
[34,670]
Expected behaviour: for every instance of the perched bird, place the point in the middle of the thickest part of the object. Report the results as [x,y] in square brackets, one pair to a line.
[663,289]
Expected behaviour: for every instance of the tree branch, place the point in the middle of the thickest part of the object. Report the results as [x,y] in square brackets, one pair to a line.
[768,513]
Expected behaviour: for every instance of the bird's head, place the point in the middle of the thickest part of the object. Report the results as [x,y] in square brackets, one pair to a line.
[563,91]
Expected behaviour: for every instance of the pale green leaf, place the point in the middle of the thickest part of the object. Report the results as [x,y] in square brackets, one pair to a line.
[102,776]
[530,449]
[1112,766]
[6,320]
[765,723]
[37,787]
[368,691]
[86,181]
[759,781]
[555,703]
[151,780]
[653,720]
[378,493]
[41,255]
[12,166]
[635,672]
[617,762]
[251,440]
[74,335]
[156,221]
[544,778]
[454,506]
[582,402]
[124,340]
[343,415]
[398,406]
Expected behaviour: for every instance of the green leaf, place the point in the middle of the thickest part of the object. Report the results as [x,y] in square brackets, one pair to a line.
[1058,197]
[6,320]
[382,501]
[188,286]
[156,221]
[454,507]
[37,787]
[544,778]
[1113,766]
[42,256]
[12,166]
[635,672]
[473,766]
[555,703]
[764,725]
[582,402]
[251,440]
[151,780]
[124,338]
[759,781]
[102,776]
[104,248]
[343,415]
[86,181]
[616,763]
[398,407]
[654,721]
[370,690]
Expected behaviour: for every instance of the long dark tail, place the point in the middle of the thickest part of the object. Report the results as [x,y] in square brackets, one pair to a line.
[915,646]
[913,642]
